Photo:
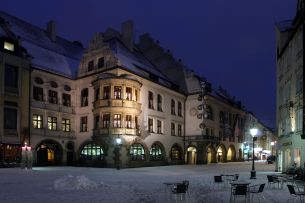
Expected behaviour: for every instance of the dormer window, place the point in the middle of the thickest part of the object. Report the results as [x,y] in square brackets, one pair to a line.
[90,65]
[9,46]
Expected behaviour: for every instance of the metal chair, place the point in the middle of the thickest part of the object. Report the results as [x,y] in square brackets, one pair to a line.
[294,195]
[239,190]
[272,181]
[218,181]
[179,189]
[258,191]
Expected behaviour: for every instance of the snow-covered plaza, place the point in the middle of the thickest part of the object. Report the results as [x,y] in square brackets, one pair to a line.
[79,184]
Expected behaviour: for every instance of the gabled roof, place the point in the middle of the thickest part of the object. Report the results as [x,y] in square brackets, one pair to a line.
[136,62]
[60,56]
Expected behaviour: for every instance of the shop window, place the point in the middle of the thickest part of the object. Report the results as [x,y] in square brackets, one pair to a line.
[156,153]
[137,152]
[92,152]
[176,153]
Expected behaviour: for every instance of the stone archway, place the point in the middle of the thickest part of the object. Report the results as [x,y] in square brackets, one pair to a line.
[191,155]
[221,154]
[49,153]
[231,153]
[211,154]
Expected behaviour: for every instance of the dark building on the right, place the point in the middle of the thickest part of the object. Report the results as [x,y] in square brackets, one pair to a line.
[290,90]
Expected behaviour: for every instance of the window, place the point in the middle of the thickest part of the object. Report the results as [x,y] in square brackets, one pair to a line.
[150,100]
[53,84]
[137,152]
[92,151]
[221,117]
[38,80]
[299,119]
[101,62]
[106,120]
[117,120]
[159,106]
[128,121]
[106,92]
[159,127]
[150,125]
[96,121]
[11,78]
[9,46]
[172,129]
[67,88]
[128,93]
[117,92]
[136,122]
[66,125]
[53,97]
[10,118]
[179,130]
[173,112]
[97,94]
[90,65]
[38,93]
[66,99]
[136,95]
[179,109]
[84,97]
[209,113]
[156,153]
[37,121]
[52,123]
[84,124]
[176,153]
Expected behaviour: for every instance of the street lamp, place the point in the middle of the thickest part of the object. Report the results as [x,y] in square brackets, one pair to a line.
[118,142]
[272,144]
[253,132]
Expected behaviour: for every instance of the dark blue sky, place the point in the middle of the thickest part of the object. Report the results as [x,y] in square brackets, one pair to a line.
[232,42]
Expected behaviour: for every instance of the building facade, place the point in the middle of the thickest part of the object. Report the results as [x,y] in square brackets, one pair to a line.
[115,103]
[290,91]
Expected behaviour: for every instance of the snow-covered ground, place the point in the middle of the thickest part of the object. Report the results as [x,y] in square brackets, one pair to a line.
[78,184]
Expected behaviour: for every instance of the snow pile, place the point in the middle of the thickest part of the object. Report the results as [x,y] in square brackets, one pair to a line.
[74,183]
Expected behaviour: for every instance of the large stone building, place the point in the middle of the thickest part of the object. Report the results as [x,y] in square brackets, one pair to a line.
[290,90]
[80,101]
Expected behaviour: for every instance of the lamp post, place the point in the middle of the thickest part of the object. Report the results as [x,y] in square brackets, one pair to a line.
[253,132]
[118,142]
[272,144]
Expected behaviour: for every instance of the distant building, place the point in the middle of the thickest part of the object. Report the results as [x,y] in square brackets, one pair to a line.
[290,90]
[118,104]
[14,96]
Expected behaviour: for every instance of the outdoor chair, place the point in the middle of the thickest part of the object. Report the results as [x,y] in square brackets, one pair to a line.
[179,190]
[218,181]
[239,190]
[272,181]
[258,191]
[294,195]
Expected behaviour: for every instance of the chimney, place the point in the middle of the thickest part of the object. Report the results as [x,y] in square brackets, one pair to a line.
[127,34]
[51,30]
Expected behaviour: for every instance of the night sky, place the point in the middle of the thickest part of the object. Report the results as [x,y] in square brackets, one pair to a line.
[231,43]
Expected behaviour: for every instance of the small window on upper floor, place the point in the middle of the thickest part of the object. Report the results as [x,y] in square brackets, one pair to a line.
[101,62]
[53,84]
[9,46]
[38,80]
[90,65]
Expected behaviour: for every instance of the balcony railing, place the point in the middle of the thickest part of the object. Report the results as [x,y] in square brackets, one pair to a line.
[115,131]
[117,103]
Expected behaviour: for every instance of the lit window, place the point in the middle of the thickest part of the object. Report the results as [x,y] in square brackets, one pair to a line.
[117,92]
[137,152]
[128,93]
[156,153]
[128,121]
[92,152]
[52,123]
[117,121]
[37,121]
[150,125]
[9,46]
[66,125]
[176,153]
[106,121]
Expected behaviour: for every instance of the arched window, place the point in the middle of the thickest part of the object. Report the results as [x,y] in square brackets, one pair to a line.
[156,153]
[137,152]
[53,84]
[38,80]
[67,88]
[84,97]
[92,151]
[176,153]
